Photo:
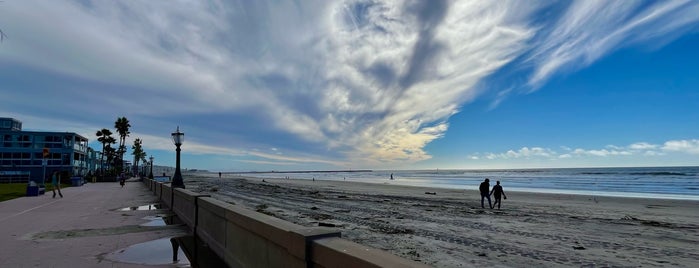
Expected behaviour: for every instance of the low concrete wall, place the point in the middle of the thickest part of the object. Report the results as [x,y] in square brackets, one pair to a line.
[166,195]
[245,238]
[184,204]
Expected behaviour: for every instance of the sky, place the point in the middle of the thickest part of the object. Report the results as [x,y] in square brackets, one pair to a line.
[335,85]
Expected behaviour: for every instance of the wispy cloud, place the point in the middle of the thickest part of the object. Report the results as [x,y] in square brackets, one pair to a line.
[589,30]
[366,82]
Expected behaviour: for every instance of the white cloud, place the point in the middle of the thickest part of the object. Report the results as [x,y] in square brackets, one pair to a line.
[642,146]
[683,146]
[635,149]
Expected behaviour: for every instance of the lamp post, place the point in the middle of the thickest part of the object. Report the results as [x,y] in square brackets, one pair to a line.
[177,139]
[150,175]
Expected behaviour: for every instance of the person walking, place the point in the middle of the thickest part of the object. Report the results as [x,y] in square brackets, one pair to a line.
[56,183]
[497,192]
[485,192]
[122,179]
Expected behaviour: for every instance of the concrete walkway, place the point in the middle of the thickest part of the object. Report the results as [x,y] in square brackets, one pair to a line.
[83,229]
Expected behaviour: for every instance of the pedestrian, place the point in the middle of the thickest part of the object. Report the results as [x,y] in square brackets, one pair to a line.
[497,192]
[56,182]
[122,179]
[485,192]
[219,175]
[391,176]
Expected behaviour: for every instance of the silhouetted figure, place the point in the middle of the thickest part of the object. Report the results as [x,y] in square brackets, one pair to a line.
[122,179]
[219,175]
[391,176]
[56,182]
[485,193]
[497,192]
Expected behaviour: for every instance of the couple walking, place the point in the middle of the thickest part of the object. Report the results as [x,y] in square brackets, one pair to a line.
[497,192]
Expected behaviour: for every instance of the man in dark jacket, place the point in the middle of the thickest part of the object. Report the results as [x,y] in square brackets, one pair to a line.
[498,193]
[485,193]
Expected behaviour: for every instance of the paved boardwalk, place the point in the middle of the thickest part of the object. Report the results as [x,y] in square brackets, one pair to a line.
[83,229]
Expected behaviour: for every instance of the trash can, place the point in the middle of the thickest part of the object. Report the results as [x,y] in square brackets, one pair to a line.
[32,189]
[76,181]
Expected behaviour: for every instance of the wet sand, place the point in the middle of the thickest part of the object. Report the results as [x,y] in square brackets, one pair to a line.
[448,228]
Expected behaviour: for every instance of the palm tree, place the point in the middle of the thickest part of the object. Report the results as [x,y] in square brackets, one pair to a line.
[111,155]
[122,127]
[104,136]
[138,153]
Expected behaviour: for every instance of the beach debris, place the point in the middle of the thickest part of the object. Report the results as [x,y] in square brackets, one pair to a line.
[214,189]
[261,208]
[314,208]
[342,196]
[578,248]
[342,211]
[325,224]
[432,193]
[482,254]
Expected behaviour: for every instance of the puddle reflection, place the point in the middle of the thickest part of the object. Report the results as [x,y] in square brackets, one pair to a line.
[144,207]
[158,220]
[182,251]
[156,252]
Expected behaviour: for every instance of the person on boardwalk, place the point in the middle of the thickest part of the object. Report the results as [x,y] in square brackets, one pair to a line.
[497,192]
[56,183]
[122,179]
[485,192]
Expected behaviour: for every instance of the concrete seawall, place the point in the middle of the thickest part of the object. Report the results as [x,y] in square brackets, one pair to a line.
[245,238]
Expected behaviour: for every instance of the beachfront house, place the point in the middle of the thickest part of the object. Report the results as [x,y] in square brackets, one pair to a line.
[23,154]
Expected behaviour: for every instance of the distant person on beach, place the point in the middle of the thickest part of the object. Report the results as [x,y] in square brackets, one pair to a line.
[497,192]
[56,182]
[485,192]
[219,175]
[391,176]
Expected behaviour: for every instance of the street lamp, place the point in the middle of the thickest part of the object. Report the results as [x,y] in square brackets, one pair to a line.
[177,139]
[150,176]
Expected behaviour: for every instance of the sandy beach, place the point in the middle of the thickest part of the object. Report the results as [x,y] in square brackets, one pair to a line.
[448,228]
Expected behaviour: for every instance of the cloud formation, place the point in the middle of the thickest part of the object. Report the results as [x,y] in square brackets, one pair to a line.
[354,82]
[690,147]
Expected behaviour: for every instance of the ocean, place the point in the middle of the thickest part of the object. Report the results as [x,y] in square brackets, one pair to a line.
[646,182]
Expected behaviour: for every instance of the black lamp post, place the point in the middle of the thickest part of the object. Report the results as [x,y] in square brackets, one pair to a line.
[177,139]
[150,176]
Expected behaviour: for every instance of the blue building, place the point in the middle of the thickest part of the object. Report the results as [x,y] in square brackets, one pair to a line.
[30,153]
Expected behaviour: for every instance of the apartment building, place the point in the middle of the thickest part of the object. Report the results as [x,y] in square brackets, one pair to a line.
[37,154]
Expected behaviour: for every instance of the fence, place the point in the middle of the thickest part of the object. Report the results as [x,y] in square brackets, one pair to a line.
[14,176]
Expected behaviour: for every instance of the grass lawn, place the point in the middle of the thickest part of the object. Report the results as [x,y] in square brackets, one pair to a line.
[13,190]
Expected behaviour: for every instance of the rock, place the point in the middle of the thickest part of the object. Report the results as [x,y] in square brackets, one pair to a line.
[325,224]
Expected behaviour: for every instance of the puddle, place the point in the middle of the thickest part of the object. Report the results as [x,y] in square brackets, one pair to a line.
[156,252]
[191,252]
[144,207]
[158,220]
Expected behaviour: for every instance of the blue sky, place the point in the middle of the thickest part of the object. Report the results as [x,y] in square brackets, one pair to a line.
[297,85]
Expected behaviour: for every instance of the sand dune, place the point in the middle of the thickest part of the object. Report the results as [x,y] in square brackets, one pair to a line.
[448,228]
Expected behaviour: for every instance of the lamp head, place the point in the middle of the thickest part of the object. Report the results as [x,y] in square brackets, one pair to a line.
[177,137]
